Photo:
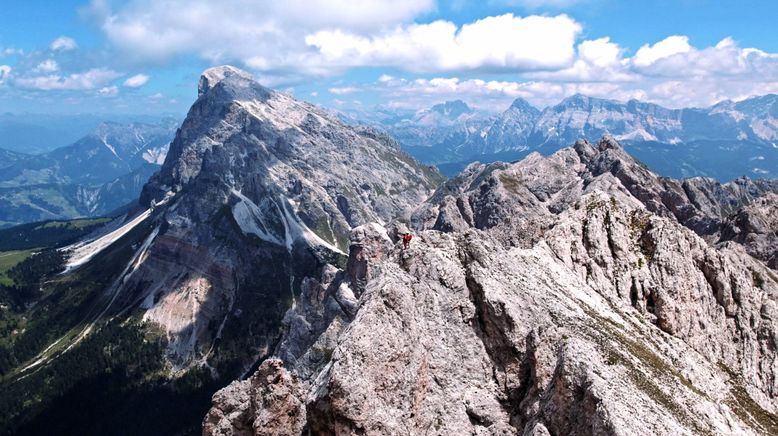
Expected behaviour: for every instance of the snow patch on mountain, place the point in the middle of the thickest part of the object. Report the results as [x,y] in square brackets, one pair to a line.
[83,252]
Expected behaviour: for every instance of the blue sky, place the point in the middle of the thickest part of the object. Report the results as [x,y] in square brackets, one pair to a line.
[144,56]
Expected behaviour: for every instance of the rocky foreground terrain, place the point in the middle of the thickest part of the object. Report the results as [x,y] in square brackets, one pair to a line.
[577,293]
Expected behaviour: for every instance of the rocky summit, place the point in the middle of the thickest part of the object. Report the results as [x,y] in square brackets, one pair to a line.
[259,190]
[577,293]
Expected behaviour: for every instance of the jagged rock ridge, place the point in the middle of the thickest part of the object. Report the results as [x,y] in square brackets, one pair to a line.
[559,295]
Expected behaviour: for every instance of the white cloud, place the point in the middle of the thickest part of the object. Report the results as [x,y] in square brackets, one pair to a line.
[109,91]
[504,42]
[136,81]
[5,71]
[725,60]
[267,34]
[91,79]
[342,90]
[596,60]
[63,43]
[385,78]
[535,4]
[496,95]
[11,51]
[672,45]
[600,52]
[325,37]
[47,66]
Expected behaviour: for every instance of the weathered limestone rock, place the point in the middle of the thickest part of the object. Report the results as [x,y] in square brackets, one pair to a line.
[558,295]
[267,404]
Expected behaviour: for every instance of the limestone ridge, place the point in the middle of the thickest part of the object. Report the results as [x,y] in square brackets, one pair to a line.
[258,192]
[557,295]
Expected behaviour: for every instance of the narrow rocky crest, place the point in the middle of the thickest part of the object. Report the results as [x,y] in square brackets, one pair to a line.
[558,295]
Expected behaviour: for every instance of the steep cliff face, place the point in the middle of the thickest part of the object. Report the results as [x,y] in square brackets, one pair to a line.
[258,192]
[756,227]
[559,295]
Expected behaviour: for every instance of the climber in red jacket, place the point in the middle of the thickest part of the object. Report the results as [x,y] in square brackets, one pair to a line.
[407,240]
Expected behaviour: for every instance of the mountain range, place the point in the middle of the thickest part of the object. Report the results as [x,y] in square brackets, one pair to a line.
[259,286]
[100,172]
[30,133]
[724,141]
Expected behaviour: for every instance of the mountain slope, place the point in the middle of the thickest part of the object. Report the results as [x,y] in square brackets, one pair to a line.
[269,189]
[557,295]
[257,195]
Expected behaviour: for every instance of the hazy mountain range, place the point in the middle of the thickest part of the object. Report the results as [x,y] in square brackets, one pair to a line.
[40,133]
[96,174]
[724,141]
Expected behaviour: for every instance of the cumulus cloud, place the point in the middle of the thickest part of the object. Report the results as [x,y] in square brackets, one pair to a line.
[136,81]
[667,72]
[504,42]
[540,58]
[267,34]
[109,91]
[63,43]
[725,59]
[47,66]
[87,80]
[672,45]
[324,37]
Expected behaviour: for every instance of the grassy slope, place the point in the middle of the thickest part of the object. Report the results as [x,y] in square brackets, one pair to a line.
[47,233]
[8,260]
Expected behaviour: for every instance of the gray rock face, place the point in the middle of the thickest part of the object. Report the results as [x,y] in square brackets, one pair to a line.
[543,186]
[267,404]
[559,295]
[756,228]
[253,205]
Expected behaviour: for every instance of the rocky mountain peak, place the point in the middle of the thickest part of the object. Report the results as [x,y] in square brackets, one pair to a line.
[452,109]
[524,106]
[260,191]
[577,100]
[212,76]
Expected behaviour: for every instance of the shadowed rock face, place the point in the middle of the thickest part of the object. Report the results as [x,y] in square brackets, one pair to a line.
[558,295]
[756,228]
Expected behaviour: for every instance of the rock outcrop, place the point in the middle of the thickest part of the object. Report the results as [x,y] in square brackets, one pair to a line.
[756,228]
[558,295]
